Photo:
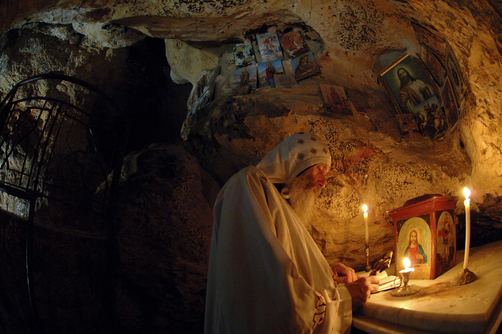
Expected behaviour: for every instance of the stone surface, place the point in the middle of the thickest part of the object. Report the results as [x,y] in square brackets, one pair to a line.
[108,35]
[42,48]
[439,306]
[156,276]
[373,169]
[188,62]
[164,232]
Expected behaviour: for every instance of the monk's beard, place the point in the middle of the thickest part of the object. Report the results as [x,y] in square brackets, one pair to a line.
[302,197]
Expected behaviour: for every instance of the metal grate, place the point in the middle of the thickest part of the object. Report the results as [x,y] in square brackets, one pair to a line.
[58,150]
[61,150]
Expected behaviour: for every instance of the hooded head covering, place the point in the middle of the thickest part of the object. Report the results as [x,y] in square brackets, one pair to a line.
[295,154]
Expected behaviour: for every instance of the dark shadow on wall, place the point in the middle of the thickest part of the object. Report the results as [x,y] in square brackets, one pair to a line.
[156,105]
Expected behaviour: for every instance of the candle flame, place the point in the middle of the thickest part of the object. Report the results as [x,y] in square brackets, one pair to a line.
[467,193]
[365,208]
[406,263]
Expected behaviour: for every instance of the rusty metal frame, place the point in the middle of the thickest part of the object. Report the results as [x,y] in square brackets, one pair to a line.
[45,137]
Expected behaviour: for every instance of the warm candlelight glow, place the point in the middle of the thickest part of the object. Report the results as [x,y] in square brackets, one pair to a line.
[365,210]
[407,268]
[467,193]
[406,263]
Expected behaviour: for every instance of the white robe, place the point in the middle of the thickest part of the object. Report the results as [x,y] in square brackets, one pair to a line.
[266,274]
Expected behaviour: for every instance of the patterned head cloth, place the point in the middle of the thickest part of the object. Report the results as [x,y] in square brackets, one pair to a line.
[295,154]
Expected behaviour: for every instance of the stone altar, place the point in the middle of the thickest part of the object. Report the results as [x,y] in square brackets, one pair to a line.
[440,307]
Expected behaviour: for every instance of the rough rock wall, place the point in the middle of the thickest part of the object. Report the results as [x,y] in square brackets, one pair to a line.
[71,272]
[368,166]
[474,31]
[156,285]
[164,232]
[355,34]
[15,308]
[135,77]
[28,52]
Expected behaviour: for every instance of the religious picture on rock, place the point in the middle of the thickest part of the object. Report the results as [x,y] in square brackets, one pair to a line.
[449,104]
[359,99]
[244,80]
[383,122]
[202,92]
[432,42]
[408,83]
[335,100]
[431,119]
[285,80]
[243,55]
[267,71]
[305,66]
[200,95]
[269,46]
[414,243]
[408,125]
[446,243]
[293,44]
[435,67]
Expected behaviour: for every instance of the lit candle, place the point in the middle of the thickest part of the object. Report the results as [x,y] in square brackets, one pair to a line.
[365,215]
[405,289]
[467,205]
[407,268]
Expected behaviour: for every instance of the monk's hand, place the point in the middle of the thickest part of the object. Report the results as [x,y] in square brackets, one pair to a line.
[361,289]
[343,274]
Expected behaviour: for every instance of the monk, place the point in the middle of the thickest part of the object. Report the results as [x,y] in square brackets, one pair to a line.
[266,273]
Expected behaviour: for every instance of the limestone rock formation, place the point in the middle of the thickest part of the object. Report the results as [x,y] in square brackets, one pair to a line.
[372,168]
[163,239]
[354,35]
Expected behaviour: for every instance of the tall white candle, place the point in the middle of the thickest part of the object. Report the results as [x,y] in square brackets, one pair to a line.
[467,205]
[365,215]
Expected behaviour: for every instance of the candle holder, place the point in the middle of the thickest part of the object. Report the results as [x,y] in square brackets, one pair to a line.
[465,276]
[367,250]
[405,289]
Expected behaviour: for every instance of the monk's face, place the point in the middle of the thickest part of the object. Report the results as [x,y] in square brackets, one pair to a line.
[317,175]
[305,188]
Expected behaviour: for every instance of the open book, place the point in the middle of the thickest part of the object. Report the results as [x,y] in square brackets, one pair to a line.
[387,282]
